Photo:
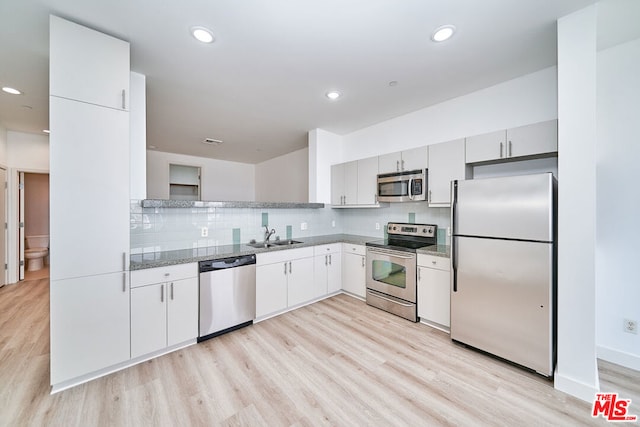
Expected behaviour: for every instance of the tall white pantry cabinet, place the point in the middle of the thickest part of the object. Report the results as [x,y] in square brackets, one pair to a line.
[89,214]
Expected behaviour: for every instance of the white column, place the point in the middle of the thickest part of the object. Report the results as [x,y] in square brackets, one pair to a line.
[325,149]
[577,371]
[138,136]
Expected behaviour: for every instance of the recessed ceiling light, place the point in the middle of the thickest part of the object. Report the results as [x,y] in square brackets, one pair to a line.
[46,131]
[443,33]
[333,95]
[11,90]
[202,34]
[393,83]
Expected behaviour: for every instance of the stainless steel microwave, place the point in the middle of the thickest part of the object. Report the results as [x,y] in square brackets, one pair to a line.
[408,186]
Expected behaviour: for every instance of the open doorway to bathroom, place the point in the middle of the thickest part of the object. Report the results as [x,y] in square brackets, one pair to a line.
[33,227]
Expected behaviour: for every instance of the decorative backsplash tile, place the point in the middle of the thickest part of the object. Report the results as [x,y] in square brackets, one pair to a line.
[161,229]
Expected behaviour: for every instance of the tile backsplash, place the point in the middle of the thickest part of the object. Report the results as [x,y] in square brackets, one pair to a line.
[161,229]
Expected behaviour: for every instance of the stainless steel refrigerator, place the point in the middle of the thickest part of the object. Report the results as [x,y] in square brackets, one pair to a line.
[503,273]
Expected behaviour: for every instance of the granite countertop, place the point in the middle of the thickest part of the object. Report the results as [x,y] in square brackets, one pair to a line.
[436,250]
[183,256]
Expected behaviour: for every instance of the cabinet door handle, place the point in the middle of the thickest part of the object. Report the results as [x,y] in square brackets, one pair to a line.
[429,196]
[397,165]
[172,290]
[124,282]
[402,163]
[285,268]
[501,144]
[123,98]
[329,259]
[161,293]
[509,149]
[326,257]
[419,275]
[289,267]
[363,261]
[124,261]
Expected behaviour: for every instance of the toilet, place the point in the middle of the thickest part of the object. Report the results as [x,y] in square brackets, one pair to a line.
[37,249]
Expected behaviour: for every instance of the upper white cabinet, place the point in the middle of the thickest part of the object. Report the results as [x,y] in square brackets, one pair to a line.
[344,184]
[88,66]
[367,181]
[354,184]
[407,160]
[446,163]
[531,140]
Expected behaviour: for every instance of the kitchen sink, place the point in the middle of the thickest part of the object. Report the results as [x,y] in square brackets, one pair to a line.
[285,242]
[260,244]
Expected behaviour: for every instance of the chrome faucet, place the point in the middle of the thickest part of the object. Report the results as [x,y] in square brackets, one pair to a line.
[267,233]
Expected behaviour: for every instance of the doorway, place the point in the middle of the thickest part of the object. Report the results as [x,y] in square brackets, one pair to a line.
[33,227]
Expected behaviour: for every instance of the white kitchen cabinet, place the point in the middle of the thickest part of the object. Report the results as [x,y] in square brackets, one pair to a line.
[283,279]
[89,215]
[344,184]
[433,290]
[407,160]
[531,140]
[163,315]
[89,324]
[353,269]
[271,288]
[367,181]
[301,287]
[327,269]
[446,163]
[88,66]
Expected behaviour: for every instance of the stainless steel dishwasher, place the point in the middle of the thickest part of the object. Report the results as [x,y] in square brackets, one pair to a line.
[227,295]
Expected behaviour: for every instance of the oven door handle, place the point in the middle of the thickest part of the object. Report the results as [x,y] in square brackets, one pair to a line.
[391,253]
[379,295]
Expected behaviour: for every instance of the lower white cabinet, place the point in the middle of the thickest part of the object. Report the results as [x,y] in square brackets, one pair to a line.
[166,313]
[433,290]
[327,270]
[283,279]
[354,269]
[89,324]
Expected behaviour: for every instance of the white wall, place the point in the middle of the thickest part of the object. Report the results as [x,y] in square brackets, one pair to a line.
[138,137]
[221,180]
[325,149]
[577,371]
[528,99]
[284,178]
[3,145]
[618,202]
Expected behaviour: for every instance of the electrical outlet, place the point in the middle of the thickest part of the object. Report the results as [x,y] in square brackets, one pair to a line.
[333,223]
[303,226]
[449,231]
[377,226]
[204,232]
[630,326]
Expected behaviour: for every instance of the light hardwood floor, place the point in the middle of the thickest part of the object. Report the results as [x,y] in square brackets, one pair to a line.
[337,362]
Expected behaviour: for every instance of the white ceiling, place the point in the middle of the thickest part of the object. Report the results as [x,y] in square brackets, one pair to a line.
[260,87]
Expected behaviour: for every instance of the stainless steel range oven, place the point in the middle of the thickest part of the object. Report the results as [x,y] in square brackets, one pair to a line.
[391,268]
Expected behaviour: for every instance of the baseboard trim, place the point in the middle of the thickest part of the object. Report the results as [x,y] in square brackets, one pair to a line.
[579,389]
[618,357]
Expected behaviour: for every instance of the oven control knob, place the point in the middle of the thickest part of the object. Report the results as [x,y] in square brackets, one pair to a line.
[424,230]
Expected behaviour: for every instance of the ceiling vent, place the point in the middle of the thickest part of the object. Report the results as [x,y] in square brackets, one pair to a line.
[211,141]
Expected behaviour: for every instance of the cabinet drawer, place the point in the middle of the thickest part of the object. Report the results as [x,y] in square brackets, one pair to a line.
[349,248]
[163,274]
[282,256]
[431,261]
[327,249]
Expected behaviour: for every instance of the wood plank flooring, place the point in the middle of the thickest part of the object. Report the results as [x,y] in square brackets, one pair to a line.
[336,363]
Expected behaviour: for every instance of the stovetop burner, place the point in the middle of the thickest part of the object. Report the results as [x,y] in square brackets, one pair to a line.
[407,237]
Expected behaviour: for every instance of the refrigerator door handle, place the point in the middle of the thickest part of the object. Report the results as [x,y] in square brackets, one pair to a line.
[454,263]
